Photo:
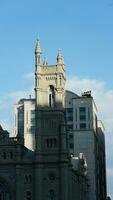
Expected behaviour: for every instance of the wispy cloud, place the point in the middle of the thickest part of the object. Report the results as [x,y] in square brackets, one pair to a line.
[29,76]
[16,95]
[79,85]
[5,124]
[110,172]
[7,106]
[102,96]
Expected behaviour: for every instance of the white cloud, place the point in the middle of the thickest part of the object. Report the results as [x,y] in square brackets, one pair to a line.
[102,96]
[80,85]
[29,76]
[110,172]
[16,95]
[7,105]
[3,105]
[5,124]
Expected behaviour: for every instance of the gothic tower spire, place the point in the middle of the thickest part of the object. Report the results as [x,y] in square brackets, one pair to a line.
[60,59]
[38,52]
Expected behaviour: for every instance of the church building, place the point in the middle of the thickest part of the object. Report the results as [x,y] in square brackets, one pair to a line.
[49,172]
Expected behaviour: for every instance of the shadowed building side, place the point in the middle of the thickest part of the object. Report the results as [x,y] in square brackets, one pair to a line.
[52,153]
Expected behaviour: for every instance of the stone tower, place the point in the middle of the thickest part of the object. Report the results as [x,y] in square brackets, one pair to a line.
[52,171]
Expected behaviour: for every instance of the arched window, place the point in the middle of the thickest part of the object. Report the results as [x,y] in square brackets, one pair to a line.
[30,178]
[52,176]
[52,194]
[28,195]
[55,142]
[4,193]
[11,155]
[47,143]
[26,179]
[51,142]
[51,96]
[4,155]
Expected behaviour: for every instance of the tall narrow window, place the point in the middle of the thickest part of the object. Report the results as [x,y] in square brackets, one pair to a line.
[51,96]
[88,113]
[82,115]
[11,155]
[15,120]
[27,117]
[75,114]
[28,195]
[4,155]
[52,194]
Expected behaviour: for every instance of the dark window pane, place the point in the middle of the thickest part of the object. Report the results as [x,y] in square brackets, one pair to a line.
[32,129]
[70,126]
[71,136]
[20,120]
[69,110]
[82,125]
[70,118]
[71,145]
[82,117]
[75,114]
[82,109]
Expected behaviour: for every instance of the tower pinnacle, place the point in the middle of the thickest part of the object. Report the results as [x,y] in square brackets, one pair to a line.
[45,61]
[38,49]
[60,59]
[38,52]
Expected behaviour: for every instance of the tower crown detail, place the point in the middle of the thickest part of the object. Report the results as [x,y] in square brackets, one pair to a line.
[60,59]
[45,61]
[38,53]
[38,49]
[49,82]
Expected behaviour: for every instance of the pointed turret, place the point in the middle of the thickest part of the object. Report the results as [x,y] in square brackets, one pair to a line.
[38,49]
[38,52]
[45,61]
[60,59]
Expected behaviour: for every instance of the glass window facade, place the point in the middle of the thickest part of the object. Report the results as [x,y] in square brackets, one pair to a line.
[69,114]
[32,129]
[33,117]
[82,125]
[21,120]
[71,145]
[82,113]
[70,127]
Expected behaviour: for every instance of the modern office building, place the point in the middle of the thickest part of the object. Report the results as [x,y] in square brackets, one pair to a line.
[88,137]
[24,121]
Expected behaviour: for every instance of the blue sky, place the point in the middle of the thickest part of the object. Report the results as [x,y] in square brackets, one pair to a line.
[83,29]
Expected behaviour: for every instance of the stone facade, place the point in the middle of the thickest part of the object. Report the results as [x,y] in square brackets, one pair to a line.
[49,172]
